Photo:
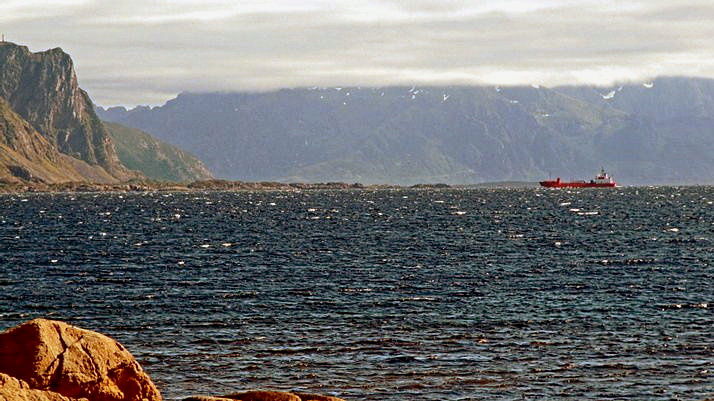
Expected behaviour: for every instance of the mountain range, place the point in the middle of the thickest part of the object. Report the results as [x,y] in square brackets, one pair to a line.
[659,132]
[50,133]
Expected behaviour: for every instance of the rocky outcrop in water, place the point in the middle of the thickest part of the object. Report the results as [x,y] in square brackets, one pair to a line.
[266,396]
[42,88]
[55,357]
[46,360]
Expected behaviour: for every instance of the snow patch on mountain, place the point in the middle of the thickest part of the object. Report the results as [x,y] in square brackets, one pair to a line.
[609,95]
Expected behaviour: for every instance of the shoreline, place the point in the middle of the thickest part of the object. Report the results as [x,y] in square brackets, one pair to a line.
[257,186]
[198,186]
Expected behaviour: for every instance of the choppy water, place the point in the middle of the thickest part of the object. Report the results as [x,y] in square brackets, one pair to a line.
[387,295]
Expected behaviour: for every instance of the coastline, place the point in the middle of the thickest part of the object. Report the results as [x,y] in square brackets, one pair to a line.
[196,186]
[218,185]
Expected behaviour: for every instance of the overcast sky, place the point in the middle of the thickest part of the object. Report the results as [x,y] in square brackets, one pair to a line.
[146,51]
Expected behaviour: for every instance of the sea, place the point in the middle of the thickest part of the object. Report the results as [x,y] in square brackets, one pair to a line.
[453,294]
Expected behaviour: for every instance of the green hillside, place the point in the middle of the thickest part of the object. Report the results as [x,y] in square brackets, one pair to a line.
[157,160]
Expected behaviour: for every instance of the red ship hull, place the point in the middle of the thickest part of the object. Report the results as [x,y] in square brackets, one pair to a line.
[576,184]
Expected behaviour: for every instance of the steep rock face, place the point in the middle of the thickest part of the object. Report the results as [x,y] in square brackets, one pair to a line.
[157,160]
[25,155]
[42,88]
[54,356]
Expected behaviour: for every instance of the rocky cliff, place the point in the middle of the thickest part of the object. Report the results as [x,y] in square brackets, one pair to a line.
[25,155]
[42,88]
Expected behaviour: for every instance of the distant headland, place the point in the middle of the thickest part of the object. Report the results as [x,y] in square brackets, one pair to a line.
[197,186]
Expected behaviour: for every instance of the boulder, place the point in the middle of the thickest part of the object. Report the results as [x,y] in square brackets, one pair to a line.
[206,398]
[55,357]
[266,396]
[12,389]
[263,396]
[316,397]
[46,360]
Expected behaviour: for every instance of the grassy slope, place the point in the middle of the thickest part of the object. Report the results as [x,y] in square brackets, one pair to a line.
[157,160]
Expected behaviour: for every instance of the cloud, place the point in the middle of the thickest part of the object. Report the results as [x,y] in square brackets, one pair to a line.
[136,51]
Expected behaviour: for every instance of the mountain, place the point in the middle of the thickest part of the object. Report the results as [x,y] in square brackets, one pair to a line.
[658,132]
[25,155]
[157,160]
[50,132]
[42,88]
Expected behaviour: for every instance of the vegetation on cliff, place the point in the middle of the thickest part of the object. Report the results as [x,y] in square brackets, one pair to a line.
[50,132]
[27,156]
[42,88]
[157,160]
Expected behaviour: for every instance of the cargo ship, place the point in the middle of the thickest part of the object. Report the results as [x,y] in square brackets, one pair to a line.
[602,180]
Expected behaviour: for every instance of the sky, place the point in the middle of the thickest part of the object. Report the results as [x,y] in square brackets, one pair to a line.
[132,52]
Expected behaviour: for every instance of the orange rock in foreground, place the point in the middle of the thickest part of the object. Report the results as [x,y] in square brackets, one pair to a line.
[266,396]
[12,389]
[46,360]
[263,396]
[55,357]
[316,397]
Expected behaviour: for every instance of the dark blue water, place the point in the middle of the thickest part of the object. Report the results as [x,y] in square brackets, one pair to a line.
[386,295]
